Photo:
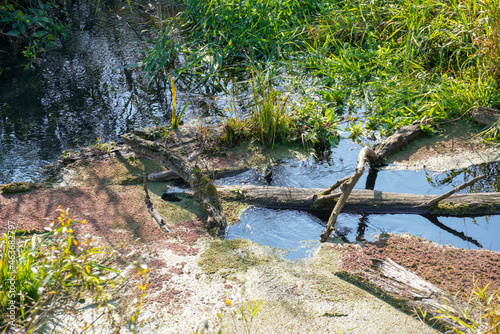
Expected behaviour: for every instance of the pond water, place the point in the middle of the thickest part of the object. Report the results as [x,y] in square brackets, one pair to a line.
[298,232]
[84,89]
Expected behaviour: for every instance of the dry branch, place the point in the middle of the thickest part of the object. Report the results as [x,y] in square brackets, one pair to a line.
[366,155]
[452,191]
[204,190]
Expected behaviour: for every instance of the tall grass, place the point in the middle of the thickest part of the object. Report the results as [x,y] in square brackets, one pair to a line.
[481,313]
[403,60]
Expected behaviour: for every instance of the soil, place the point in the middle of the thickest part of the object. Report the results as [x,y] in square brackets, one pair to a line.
[452,146]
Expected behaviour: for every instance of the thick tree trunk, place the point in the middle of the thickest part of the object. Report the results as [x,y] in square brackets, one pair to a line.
[369,201]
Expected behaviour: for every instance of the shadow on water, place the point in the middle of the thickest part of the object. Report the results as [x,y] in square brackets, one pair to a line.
[302,229]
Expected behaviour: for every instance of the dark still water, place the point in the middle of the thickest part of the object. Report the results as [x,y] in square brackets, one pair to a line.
[78,92]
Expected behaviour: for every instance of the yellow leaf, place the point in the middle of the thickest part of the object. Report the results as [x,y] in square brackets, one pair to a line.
[228,302]
[75,242]
[173,95]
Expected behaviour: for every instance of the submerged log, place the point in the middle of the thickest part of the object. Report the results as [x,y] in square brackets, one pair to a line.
[405,289]
[204,190]
[369,201]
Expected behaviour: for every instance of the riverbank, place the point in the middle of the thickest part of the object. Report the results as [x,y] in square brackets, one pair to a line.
[196,279]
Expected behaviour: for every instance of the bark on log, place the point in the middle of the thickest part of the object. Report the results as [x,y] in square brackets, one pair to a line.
[204,190]
[368,201]
[404,288]
[485,116]
[396,141]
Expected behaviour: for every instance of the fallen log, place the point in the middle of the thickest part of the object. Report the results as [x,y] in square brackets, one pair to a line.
[396,141]
[485,116]
[204,191]
[407,290]
[369,201]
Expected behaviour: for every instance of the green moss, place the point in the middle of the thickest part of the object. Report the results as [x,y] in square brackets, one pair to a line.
[18,187]
[228,257]
[233,210]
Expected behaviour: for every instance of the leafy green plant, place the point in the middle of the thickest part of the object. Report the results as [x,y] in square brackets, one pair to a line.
[32,23]
[176,118]
[54,272]
[102,147]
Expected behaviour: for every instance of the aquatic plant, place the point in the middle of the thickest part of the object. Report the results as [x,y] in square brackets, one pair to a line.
[399,60]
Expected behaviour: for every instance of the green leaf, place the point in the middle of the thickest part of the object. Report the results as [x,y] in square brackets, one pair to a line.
[13,33]
[40,33]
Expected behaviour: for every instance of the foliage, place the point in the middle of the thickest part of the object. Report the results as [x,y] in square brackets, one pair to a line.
[399,60]
[176,118]
[44,274]
[275,117]
[102,147]
[32,23]
[481,314]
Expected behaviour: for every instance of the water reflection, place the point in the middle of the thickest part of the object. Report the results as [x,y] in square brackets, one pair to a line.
[85,89]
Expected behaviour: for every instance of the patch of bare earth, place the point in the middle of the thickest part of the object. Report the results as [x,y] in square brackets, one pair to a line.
[453,146]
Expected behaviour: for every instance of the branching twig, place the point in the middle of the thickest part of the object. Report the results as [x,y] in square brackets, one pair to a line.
[439,198]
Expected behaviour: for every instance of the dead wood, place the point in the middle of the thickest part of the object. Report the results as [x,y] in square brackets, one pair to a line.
[396,141]
[452,191]
[485,116]
[369,201]
[346,187]
[404,288]
[204,190]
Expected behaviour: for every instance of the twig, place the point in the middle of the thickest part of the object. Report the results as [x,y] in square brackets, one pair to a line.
[366,154]
[439,198]
[334,186]
[156,215]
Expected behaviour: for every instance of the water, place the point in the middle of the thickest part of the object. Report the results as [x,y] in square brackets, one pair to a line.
[84,90]
[298,232]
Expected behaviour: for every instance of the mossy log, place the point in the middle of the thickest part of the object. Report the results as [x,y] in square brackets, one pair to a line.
[204,191]
[369,201]
[407,290]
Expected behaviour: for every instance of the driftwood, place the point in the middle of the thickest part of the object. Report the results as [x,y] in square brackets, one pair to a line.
[204,190]
[406,289]
[346,187]
[485,116]
[396,141]
[368,201]
[452,191]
